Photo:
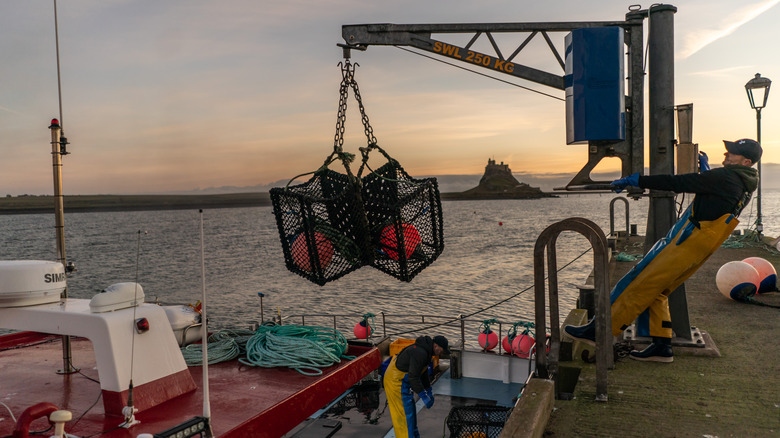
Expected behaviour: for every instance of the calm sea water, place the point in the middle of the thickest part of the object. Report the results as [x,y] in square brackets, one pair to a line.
[488,257]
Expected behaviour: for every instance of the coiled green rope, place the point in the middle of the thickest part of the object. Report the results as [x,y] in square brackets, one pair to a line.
[223,346]
[305,349]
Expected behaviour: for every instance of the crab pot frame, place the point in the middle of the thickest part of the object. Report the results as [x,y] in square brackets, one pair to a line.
[405,220]
[477,421]
[322,226]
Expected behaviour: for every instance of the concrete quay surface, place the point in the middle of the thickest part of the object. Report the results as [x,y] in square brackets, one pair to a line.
[734,395]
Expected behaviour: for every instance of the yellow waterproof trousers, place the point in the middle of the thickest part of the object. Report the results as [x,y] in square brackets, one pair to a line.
[400,399]
[665,267]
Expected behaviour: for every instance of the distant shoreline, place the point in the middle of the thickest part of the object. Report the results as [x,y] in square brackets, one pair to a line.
[109,203]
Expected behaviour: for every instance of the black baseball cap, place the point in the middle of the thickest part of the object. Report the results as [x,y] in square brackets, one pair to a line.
[442,342]
[746,147]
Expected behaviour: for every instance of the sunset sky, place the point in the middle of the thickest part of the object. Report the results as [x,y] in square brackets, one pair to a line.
[177,95]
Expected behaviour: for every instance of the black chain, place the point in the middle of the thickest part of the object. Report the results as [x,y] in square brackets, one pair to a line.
[367,129]
[347,82]
[347,73]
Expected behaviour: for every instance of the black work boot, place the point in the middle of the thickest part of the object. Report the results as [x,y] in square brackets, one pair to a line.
[583,333]
[659,351]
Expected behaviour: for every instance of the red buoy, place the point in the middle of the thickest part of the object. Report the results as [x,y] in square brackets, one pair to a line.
[488,340]
[300,251]
[521,346]
[362,330]
[390,244]
[506,344]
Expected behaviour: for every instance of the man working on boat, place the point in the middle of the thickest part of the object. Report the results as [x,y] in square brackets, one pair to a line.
[407,375]
[721,194]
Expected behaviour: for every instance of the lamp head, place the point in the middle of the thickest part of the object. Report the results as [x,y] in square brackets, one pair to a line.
[758,91]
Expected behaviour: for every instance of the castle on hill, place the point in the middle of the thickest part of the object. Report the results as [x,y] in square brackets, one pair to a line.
[498,183]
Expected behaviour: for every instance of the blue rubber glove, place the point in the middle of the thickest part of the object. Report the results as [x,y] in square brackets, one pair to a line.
[619,184]
[704,162]
[427,397]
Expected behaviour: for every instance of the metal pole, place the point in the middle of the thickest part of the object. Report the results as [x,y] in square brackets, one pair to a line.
[59,226]
[262,317]
[661,212]
[759,224]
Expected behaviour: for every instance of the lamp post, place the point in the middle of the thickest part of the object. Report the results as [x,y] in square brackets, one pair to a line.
[759,86]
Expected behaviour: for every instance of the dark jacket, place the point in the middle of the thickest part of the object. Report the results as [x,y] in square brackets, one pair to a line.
[414,361]
[718,191]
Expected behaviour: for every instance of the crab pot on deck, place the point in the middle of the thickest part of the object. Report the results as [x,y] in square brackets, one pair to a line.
[477,421]
[405,220]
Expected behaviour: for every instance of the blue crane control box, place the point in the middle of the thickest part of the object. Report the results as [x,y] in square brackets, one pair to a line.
[595,85]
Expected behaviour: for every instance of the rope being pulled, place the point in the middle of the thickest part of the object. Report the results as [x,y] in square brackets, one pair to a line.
[305,349]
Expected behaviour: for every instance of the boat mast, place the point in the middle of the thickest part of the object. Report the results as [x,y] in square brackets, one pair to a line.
[59,220]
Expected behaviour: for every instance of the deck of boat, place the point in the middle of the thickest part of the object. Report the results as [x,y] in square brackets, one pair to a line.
[245,400]
[363,411]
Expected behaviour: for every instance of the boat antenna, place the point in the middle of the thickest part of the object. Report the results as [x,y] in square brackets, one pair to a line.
[204,332]
[130,410]
[57,45]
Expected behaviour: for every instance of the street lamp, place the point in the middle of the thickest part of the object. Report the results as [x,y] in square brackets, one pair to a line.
[759,86]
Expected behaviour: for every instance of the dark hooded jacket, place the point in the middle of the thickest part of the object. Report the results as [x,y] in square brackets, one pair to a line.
[718,191]
[414,361]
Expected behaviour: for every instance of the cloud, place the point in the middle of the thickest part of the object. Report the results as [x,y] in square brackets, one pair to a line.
[702,39]
[722,72]
[8,110]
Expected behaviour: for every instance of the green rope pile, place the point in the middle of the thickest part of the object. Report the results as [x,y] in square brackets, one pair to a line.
[750,239]
[625,257]
[223,346]
[305,349]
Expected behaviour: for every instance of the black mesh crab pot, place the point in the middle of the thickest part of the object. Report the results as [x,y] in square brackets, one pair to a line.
[322,226]
[477,421]
[404,219]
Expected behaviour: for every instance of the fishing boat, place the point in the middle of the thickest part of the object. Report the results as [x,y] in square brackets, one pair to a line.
[128,378]
[123,373]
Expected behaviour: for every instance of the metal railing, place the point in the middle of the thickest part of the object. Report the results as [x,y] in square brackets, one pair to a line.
[612,215]
[547,367]
[421,323]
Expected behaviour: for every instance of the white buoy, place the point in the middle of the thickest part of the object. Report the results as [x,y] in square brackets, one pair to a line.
[737,280]
[766,274]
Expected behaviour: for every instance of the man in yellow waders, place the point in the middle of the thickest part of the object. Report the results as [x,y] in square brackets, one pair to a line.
[721,194]
[407,375]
